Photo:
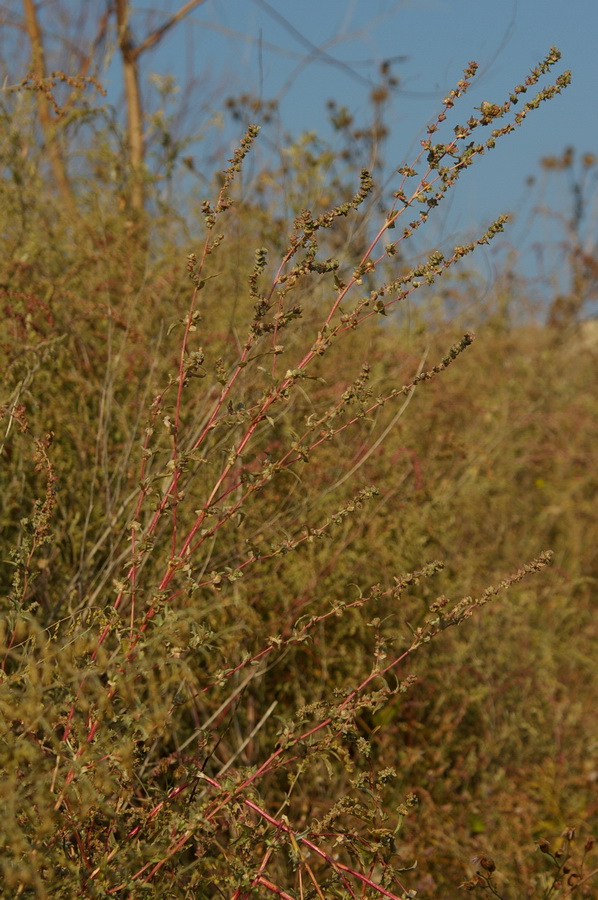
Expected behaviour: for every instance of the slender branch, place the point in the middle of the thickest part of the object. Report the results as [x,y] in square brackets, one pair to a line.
[159,33]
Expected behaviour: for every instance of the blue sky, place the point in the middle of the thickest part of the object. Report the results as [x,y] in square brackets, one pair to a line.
[305,52]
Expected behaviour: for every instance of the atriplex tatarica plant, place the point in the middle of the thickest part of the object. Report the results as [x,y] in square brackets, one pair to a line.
[197,726]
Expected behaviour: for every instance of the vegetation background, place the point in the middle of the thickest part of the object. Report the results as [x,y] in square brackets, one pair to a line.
[248,494]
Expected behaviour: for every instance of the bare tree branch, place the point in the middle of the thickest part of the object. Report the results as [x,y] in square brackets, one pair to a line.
[159,33]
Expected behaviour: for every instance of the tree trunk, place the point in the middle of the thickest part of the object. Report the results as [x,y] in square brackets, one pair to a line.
[134,106]
[49,130]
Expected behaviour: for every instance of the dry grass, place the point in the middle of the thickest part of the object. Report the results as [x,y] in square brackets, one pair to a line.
[233,664]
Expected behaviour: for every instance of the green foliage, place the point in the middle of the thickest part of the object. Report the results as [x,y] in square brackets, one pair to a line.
[235,567]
